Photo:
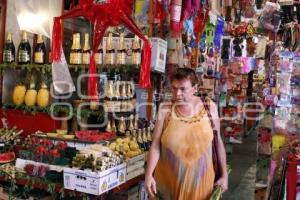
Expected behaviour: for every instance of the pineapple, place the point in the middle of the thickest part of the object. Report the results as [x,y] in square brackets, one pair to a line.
[30,96]
[43,96]
[19,94]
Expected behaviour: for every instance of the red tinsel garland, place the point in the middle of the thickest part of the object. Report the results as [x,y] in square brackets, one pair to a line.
[111,13]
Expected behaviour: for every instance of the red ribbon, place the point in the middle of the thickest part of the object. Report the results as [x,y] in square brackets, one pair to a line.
[111,13]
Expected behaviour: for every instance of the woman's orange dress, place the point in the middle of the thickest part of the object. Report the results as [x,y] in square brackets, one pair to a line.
[185,168]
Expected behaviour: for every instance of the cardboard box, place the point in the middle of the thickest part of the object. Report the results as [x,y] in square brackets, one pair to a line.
[159,54]
[94,182]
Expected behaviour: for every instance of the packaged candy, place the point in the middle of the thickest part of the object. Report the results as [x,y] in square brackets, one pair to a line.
[283,82]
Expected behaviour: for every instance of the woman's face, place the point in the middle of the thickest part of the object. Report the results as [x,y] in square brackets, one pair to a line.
[182,91]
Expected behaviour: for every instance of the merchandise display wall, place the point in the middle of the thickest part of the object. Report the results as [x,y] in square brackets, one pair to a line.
[65,144]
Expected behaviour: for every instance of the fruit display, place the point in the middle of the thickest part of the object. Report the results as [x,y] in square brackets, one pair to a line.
[9,135]
[126,146]
[30,96]
[43,96]
[19,94]
[7,157]
[97,158]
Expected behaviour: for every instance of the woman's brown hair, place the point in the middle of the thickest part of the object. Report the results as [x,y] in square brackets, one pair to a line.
[184,74]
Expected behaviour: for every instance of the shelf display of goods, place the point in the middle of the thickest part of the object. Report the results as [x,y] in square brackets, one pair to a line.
[126,146]
[47,151]
[97,158]
[134,144]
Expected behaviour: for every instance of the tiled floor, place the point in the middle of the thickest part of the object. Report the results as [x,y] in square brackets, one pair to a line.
[243,164]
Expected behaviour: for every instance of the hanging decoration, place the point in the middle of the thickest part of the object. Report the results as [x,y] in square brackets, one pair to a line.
[102,15]
[219,32]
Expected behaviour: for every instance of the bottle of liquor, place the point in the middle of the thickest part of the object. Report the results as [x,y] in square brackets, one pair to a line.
[110,51]
[131,126]
[122,126]
[145,139]
[140,139]
[124,104]
[76,52]
[108,127]
[24,50]
[121,53]
[136,120]
[86,53]
[132,102]
[40,51]
[108,100]
[117,97]
[9,50]
[136,51]
[99,55]
[134,136]
[113,126]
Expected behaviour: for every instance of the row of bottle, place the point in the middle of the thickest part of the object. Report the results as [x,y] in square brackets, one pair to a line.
[120,96]
[142,136]
[82,56]
[77,54]
[24,50]
[122,125]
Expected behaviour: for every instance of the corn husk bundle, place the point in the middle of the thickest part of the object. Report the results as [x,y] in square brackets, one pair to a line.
[217,192]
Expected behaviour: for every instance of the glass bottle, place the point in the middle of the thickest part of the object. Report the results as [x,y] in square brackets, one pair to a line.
[140,139]
[9,54]
[110,51]
[136,51]
[108,127]
[76,52]
[136,120]
[122,126]
[24,50]
[40,51]
[99,55]
[131,125]
[86,53]
[145,139]
[121,52]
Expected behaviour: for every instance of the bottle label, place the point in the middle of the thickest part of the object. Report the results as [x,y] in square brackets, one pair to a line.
[75,58]
[109,106]
[24,56]
[117,106]
[123,106]
[39,57]
[99,59]
[121,57]
[136,58]
[109,58]
[8,56]
[86,58]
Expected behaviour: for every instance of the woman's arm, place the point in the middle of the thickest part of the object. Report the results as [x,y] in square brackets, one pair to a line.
[154,152]
[221,149]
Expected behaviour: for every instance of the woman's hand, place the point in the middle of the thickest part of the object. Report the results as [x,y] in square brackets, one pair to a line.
[150,186]
[223,182]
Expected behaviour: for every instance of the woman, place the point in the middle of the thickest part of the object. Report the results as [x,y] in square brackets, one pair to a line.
[181,152]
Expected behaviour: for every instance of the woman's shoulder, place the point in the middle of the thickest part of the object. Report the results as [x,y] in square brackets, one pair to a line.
[165,108]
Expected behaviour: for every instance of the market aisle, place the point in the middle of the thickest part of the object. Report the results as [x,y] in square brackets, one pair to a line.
[243,175]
